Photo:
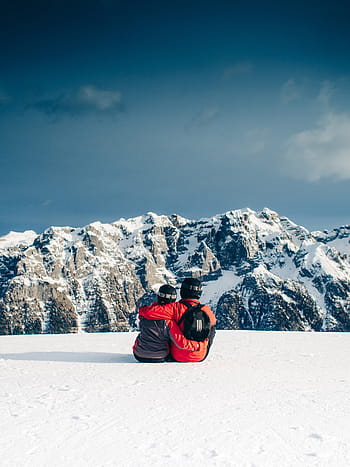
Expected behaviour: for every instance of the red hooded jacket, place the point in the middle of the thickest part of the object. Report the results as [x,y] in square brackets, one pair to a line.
[182,349]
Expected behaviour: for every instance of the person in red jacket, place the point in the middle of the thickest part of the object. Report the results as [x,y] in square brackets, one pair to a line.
[182,349]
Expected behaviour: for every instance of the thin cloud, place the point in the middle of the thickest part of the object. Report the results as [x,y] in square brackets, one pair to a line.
[251,142]
[86,100]
[237,69]
[204,116]
[326,93]
[46,203]
[4,98]
[255,140]
[322,152]
[290,91]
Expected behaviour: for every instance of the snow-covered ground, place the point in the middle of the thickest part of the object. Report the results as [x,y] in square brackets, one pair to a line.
[260,399]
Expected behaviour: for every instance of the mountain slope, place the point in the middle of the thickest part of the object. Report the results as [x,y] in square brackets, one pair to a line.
[260,271]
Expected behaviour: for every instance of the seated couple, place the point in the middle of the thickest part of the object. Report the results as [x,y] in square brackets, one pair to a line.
[161,337]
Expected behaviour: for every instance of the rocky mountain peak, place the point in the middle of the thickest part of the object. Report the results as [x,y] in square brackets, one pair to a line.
[260,271]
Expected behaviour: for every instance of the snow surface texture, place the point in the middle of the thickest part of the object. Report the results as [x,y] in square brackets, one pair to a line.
[259,270]
[260,399]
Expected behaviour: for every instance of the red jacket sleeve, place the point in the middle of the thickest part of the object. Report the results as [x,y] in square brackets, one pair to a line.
[171,311]
[180,340]
[210,313]
[157,311]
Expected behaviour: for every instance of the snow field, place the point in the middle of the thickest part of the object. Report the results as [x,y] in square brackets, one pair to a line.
[260,399]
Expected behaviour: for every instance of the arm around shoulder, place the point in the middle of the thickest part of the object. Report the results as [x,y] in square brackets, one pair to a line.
[179,340]
[157,311]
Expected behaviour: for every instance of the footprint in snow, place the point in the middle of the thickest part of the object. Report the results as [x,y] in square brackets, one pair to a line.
[316,436]
[213,453]
[317,446]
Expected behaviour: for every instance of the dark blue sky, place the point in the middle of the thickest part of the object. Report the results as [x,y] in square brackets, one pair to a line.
[111,109]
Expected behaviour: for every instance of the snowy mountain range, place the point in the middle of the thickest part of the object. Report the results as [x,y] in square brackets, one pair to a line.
[260,271]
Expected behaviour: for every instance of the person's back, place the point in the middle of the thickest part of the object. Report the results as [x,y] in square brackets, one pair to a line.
[152,343]
[182,349]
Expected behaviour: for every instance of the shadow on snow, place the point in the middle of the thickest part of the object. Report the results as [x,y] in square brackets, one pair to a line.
[81,357]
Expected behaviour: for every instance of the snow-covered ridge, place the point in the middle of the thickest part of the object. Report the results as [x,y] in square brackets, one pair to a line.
[16,239]
[337,238]
[260,271]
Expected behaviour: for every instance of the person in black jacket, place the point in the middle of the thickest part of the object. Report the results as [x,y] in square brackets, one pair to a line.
[152,343]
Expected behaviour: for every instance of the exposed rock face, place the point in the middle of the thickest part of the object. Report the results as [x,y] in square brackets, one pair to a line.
[260,271]
[265,302]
